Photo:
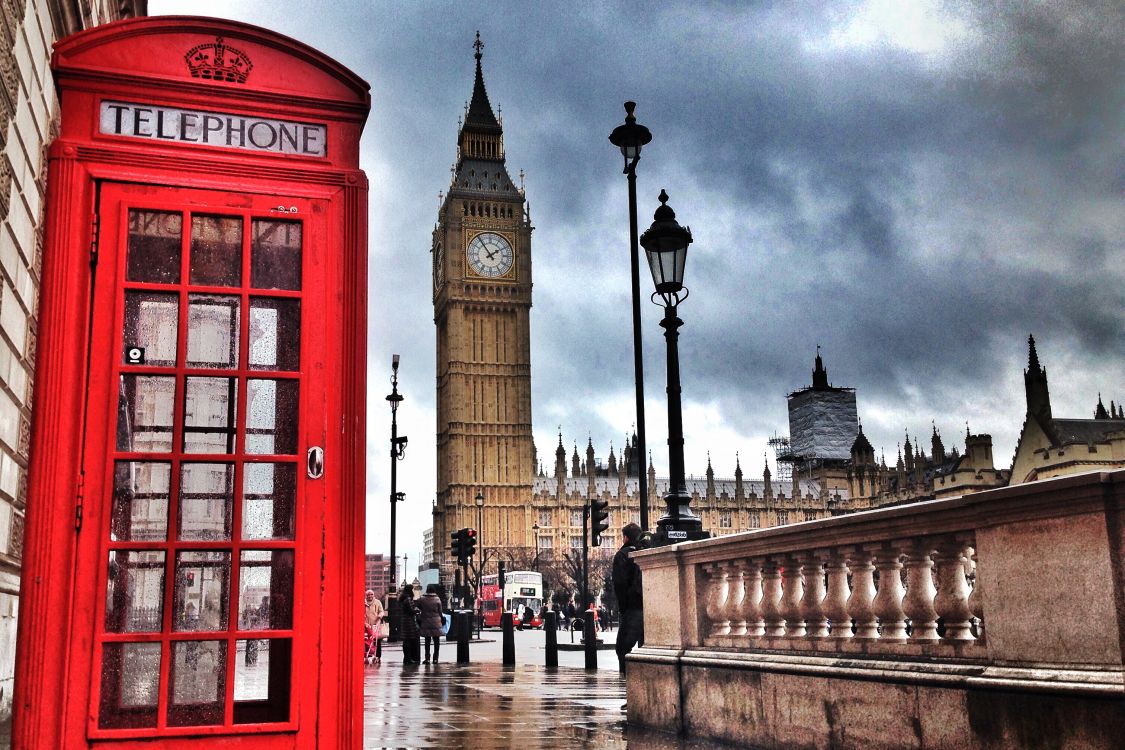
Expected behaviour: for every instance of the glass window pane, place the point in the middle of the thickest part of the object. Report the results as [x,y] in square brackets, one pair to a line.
[265,590]
[197,689]
[202,590]
[210,409]
[140,501]
[269,495]
[135,593]
[213,331]
[275,254]
[145,406]
[206,502]
[216,250]
[152,323]
[261,681]
[275,334]
[154,246]
[271,416]
[130,685]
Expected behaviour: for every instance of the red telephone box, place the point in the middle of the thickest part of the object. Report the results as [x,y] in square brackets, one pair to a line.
[194,542]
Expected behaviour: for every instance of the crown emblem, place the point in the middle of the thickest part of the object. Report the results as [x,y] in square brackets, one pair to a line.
[218,62]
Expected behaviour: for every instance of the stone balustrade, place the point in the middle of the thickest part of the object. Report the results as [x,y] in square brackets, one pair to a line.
[1012,599]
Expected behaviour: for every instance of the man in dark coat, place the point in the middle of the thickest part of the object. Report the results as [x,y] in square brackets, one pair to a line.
[630,598]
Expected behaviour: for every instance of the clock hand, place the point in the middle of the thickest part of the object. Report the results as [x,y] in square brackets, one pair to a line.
[491,255]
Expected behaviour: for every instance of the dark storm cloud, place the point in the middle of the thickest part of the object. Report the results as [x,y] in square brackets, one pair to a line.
[915,196]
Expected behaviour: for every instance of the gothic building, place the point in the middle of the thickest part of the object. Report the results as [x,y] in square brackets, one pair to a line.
[482,301]
[1049,446]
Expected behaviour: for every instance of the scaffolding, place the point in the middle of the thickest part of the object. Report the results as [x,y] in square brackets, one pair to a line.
[783,457]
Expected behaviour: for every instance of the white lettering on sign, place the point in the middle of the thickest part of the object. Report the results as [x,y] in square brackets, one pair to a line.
[675,534]
[213,129]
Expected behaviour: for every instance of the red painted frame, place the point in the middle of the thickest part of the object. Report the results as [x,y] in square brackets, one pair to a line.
[142,61]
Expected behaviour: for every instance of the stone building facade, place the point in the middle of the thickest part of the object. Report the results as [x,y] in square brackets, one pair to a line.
[28,122]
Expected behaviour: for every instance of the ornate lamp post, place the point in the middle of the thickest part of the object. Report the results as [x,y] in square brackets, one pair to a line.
[629,138]
[665,244]
[398,450]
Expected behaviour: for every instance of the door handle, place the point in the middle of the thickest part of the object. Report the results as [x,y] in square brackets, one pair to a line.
[316,462]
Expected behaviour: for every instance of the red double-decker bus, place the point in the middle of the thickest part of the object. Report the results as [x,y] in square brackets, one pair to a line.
[522,589]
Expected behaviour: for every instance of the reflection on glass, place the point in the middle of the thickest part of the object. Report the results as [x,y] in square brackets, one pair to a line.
[212,331]
[197,689]
[275,334]
[261,681]
[275,254]
[151,322]
[140,501]
[202,590]
[206,502]
[210,408]
[269,494]
[130,685]
[144,413]
[216,250]
[271,416]
[265,590]
[135,592]
[154,246]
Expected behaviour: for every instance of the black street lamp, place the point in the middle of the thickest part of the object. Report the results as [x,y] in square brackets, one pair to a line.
[535,534]
[629,138]
[666,244]
[398,450]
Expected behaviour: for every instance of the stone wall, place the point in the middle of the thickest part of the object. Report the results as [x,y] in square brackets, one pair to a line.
[994,620]
[28,123]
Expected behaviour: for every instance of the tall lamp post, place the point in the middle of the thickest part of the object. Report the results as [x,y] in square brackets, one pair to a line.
[665,244]
[535,536]
[629,138]
[398,450]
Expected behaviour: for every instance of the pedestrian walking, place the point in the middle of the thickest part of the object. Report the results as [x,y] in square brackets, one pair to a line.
[408,626]
[430,615]
[374,617]
[630,599]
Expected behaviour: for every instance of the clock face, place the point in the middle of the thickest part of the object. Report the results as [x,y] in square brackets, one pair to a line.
[439,266]
[490,255]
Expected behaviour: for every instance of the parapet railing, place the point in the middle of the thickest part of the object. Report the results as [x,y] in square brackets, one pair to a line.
[1022,576]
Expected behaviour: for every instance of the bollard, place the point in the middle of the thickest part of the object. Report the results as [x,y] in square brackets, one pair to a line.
[552,646]
[590,639]
[461,622]
[509,639]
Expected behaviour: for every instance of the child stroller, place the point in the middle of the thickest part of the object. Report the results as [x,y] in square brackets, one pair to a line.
[370,644]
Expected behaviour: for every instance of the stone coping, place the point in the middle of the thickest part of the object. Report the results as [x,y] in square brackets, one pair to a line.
[1023,678]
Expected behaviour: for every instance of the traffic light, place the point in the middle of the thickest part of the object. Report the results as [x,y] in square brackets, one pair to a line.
[599,520]
[457,545]
[469,545]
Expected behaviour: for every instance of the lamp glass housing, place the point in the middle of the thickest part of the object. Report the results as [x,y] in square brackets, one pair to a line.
[667,256]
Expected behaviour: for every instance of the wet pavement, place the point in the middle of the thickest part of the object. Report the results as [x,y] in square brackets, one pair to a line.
[487,705]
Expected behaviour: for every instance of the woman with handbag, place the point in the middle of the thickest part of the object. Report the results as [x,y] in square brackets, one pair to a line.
[374,617]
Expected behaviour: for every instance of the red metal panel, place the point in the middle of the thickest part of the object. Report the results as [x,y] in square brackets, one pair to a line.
[62,627]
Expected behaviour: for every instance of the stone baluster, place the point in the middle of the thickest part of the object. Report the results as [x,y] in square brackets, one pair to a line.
[952,600]
[733,610]
[888,600]
[919,601]
[835,604]
[812,610]
[976,599]
[771,599]
[716,594]
[752,599]
[791,602]
[863,593]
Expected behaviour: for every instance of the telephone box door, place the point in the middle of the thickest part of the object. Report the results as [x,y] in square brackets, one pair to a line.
[204,464]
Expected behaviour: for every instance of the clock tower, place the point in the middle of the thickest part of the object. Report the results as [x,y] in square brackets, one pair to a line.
[482,300]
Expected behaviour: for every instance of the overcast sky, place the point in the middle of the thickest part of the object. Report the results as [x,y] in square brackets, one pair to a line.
[916,187]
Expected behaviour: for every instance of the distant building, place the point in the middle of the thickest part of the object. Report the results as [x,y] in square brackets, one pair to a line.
[377,573]
[1052,447]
